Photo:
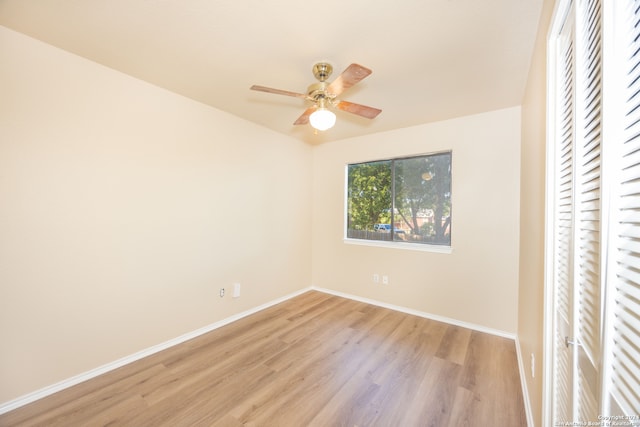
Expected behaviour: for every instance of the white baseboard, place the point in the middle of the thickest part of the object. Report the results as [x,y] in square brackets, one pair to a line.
[69,382]
[523,381]
[54,388]
[423,314]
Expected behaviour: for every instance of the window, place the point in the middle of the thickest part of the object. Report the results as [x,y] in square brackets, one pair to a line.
[401,200]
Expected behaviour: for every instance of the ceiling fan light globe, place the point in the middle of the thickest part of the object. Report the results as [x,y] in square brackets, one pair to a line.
[322,119]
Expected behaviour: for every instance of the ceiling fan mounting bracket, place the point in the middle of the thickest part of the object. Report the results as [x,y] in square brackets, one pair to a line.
[322,71]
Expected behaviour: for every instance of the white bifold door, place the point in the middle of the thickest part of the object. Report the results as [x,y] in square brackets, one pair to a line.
[593,214]
[576,202]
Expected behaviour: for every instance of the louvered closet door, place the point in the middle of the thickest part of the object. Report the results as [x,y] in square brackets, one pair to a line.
[596,243]
[622,381]
[587,228]
[562,263]
[577,215]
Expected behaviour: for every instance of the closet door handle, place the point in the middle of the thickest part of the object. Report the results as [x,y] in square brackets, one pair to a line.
[569,342]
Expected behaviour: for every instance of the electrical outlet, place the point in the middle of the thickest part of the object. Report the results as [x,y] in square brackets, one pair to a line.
[221,292]
[385,280]
[376,278]
[533,365]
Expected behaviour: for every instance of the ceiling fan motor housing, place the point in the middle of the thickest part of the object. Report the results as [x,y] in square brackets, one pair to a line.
[318,90]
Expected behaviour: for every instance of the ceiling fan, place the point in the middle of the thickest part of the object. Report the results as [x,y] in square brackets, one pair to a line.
[323,95]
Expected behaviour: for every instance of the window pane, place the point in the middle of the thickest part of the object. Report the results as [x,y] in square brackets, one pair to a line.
[422,211]
[369,200]
[402,200]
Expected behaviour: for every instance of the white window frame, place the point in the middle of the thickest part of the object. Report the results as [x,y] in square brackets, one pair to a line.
[421,247]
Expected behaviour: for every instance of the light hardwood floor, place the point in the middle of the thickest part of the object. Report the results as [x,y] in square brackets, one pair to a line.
[314,360]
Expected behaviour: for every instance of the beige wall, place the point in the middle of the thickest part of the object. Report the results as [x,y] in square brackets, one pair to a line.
[124,208]
[478,282]
[532,209]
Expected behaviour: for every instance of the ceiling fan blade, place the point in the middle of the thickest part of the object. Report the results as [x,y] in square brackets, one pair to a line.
[277,91]
[352,75]
[304,118]
[361,110]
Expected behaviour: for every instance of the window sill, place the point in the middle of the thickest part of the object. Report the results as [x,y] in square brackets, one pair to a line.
[400,245]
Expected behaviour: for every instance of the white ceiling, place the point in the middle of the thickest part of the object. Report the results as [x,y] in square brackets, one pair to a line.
[431,59]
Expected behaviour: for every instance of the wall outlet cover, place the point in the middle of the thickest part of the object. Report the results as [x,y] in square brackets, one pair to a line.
[533,365]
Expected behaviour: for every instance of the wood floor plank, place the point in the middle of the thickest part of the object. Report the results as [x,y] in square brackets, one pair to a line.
[491,372]
[466,409]
[455,344]
[434,398]
[346,405]
[314,360]
[315,378]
